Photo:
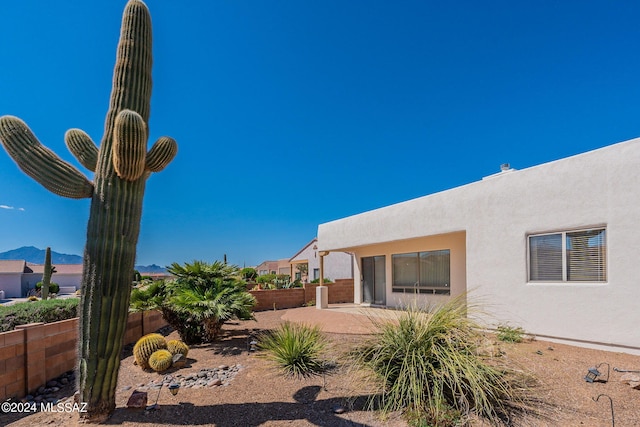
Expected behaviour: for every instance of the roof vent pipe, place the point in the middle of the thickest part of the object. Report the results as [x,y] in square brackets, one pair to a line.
[505,167]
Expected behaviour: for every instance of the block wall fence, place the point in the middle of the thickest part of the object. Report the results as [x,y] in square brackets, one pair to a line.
[339,292]
[35,353]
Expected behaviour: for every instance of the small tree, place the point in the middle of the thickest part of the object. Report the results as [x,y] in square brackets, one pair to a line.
[303,269]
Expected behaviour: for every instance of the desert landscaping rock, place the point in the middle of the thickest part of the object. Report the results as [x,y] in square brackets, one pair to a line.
[629,378]
[205,377]
[45,393]
[632,379]
[138,399]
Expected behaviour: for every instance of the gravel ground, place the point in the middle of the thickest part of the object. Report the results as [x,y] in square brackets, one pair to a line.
[252,393]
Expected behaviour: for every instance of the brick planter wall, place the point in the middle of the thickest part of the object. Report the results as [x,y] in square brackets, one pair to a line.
[339,292]
[36,353]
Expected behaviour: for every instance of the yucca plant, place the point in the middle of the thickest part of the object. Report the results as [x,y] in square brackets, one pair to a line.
[295,349]
[426,361]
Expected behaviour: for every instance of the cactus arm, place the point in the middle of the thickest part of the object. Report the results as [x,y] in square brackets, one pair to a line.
[82,147]
[161,154]
[129,145]
[40,163]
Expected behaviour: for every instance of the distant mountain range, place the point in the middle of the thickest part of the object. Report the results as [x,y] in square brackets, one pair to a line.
[36,256]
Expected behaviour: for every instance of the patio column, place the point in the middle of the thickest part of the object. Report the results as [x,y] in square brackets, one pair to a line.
[322,292]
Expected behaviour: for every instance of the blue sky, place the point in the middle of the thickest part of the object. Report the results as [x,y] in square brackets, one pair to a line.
[289,114]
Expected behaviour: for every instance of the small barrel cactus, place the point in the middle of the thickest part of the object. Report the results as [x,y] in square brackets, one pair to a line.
[160,360]
[177,347]
[146,346]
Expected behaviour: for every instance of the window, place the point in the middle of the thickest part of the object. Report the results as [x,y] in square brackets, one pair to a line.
[316,273]
[422,272]
[569,256]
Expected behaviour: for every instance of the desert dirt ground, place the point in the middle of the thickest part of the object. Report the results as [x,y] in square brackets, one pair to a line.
[260,396]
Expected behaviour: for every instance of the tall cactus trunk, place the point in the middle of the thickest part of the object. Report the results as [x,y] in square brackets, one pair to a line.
[46,277]
[114,221]
[122,165]
[109,259]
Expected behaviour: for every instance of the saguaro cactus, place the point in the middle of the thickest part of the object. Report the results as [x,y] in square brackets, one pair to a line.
[121,165]
[46,277]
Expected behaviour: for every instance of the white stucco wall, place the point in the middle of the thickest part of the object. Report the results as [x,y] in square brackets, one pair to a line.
[11,284]
[601,187]
[67,280]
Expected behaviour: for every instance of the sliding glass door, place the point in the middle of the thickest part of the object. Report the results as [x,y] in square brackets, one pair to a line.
[373,280]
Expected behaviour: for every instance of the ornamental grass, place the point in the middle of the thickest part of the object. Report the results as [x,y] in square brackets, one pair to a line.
[426,362]
[295,349]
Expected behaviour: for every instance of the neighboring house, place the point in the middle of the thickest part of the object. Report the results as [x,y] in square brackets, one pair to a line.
[67,275]
[551,248]
[280,266]
[11,278]
[18,277]
[337,265]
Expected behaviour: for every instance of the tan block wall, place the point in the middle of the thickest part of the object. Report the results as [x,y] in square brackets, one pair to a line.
[60,348]
[36,353]
[12,364]
[134,328]
[151,322]
[339,292]
[281,298]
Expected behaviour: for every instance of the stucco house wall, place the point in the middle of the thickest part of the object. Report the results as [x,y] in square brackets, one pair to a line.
[11,278]
[11,285]
[496,216]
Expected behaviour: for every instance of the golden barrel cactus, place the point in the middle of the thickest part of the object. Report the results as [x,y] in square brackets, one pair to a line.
[161,360]
[146,346]
[177,347]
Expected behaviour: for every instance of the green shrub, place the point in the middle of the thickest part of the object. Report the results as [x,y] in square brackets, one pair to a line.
[295,284]
[266,278]
[248,273]
[508,333]
[54,288]
[295,349]
[426,361]
[326,280]
[275,281]
[46,311]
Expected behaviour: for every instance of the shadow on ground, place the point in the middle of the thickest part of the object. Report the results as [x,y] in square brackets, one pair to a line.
[306,407]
